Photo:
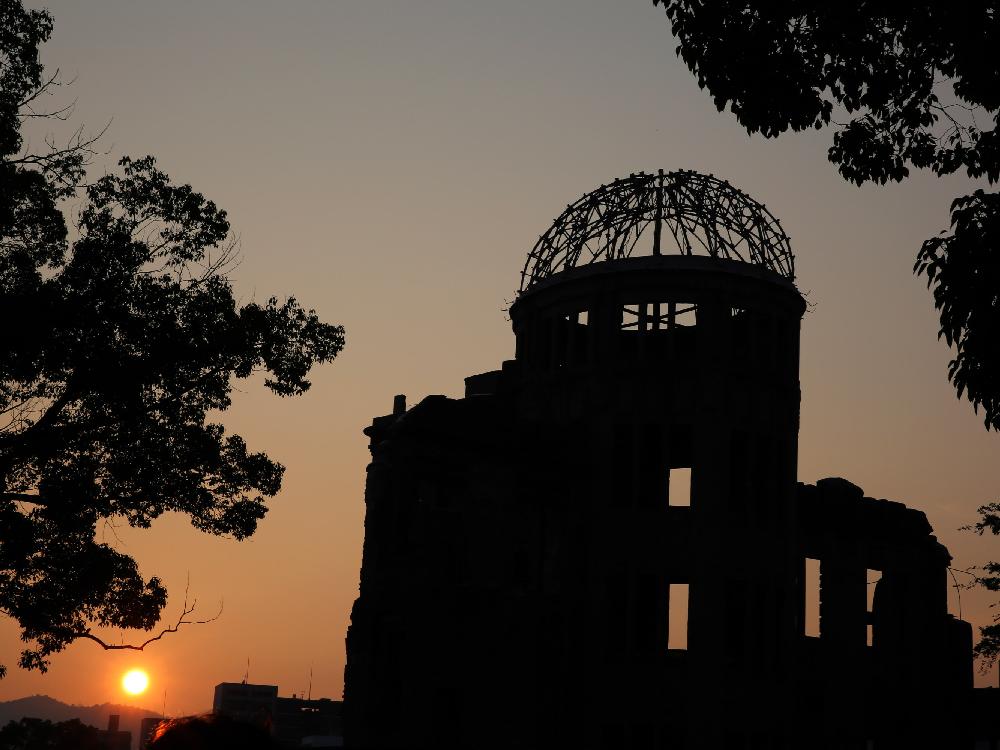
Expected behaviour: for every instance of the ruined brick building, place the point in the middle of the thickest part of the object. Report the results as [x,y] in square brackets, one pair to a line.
[536,576]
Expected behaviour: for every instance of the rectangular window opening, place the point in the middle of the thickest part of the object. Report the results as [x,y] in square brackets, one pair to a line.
[631,315]
[658,316]
[684,314]
[811,618]
[677,618]
[872,577]
[580,337]
[679,492]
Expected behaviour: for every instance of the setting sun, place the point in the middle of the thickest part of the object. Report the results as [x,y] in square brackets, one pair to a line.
[135,681]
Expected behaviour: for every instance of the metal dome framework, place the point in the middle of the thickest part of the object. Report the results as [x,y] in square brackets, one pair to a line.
[703,214]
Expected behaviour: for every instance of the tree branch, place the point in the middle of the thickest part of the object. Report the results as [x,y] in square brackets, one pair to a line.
[46,419]
[53,80]
[185,611]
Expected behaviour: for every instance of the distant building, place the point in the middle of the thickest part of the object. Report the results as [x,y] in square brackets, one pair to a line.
[114,738]
[246,702]
[290,720]
[297,718]
[604,545]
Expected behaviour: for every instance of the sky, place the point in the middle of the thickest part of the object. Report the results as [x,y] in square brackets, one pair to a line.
[390,164]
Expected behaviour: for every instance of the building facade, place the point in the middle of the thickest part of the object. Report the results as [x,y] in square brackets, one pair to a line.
[114,737]
[290,720]
[604,545]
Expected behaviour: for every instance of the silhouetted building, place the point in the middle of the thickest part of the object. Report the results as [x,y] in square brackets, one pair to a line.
[296,719]
[290,720]
[603,544]
[245,702]
[114,738]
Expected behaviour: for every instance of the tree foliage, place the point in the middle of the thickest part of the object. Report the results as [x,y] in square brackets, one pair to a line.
[988,648]
[41,734]
[120,343]
[963,268]
[916,86]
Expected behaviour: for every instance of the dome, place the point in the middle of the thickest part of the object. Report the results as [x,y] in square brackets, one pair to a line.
[685,213]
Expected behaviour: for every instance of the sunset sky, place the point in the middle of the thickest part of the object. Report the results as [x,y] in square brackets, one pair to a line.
[391,164]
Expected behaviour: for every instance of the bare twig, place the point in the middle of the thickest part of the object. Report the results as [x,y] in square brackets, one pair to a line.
[958,589]
[181,621]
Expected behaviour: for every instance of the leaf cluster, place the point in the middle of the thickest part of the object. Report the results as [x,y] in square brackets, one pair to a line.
[797,64]
[963,269]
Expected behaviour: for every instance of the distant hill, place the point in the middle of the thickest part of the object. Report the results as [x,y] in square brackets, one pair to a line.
[44,707]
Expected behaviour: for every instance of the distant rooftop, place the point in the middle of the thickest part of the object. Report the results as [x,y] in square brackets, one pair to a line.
[685,213]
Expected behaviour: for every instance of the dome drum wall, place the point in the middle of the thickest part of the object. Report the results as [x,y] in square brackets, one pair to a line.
[668,330]
[656,364]
[689,348]
[613,314]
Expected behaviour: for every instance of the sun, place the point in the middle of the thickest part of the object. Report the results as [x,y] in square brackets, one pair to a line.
[135,681]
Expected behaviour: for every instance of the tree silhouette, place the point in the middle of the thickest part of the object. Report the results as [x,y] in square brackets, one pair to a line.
[40,734]
[988,577]
[117,345]
[918,85]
